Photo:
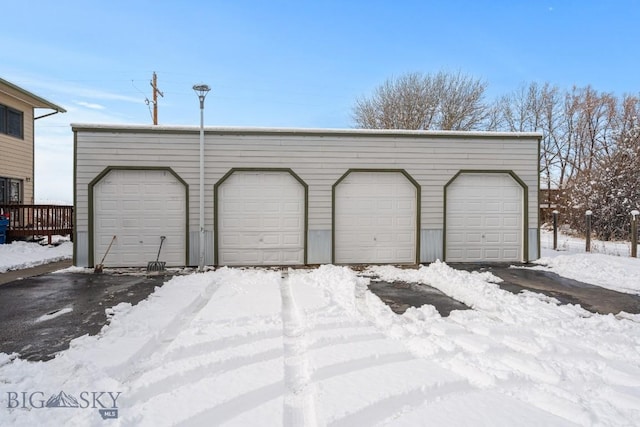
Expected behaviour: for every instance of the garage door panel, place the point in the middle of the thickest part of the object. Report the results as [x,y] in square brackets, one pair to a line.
[139,206]
[511,253]
[456,253]
[405,205]
[271,239]
[293,207]
[512,192]
[405,238]
[261,215]
[292,240]
[472,237]
[511,238]
[492,238]
[384,238]
[484,218]
[473,253]
[492,254]
[131,224]
[492,207]
[510,222]
[289,257]
[230,240]
[131,189]
[511,207]
[455,239]
[131,205]
[490,192]
[384,222]
[152,224]
[405,221]
[375,218]
[493,222]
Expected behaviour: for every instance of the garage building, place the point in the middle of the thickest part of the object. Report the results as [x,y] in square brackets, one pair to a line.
[304,196]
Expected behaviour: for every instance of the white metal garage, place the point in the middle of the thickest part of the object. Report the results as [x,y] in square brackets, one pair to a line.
[484,218]
[327,165]
[375,218]
[261,219]
[138,206]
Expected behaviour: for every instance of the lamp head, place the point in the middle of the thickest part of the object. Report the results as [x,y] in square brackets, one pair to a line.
[201,90]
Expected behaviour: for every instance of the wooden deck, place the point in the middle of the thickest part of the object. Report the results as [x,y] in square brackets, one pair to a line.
[38,220]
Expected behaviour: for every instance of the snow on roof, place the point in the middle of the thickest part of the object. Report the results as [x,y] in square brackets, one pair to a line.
[298,131]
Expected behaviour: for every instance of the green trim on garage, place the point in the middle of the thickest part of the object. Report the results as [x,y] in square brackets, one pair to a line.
[108,169]
[216,204]
[333,206]
[74,259]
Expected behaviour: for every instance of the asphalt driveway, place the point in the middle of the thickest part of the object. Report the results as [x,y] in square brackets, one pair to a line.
[40,315]
[567,291]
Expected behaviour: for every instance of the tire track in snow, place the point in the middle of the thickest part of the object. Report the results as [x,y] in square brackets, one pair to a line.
[178,378]
[299,401]
[401,403]
[163,339]
[223,366]
[210,346]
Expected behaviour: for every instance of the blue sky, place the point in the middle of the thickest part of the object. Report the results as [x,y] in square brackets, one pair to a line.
[290,63]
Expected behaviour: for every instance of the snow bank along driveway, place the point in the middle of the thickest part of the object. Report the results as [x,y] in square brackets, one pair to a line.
[315,347]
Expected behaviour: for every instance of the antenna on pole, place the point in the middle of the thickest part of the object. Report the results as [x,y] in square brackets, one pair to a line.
[156,92]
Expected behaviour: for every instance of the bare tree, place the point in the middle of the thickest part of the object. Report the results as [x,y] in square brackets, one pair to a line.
[461,105]
[535,108]
[421,102]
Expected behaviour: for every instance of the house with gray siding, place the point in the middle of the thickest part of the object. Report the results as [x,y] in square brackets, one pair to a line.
[304,196]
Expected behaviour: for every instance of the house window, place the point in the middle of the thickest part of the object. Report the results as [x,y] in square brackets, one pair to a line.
[11,122]
[10,191]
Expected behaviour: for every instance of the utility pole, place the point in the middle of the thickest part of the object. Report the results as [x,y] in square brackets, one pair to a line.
[156,92]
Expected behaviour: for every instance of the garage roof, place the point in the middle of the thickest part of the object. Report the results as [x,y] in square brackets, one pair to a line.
[298,131]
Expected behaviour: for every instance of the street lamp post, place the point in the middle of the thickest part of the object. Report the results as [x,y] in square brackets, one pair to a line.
[201,90]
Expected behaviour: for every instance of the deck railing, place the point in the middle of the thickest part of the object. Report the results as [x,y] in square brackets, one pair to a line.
[38,220]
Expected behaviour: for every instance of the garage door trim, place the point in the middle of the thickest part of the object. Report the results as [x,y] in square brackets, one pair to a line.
[108,169]
[525,206]
[217,205]
[333,206]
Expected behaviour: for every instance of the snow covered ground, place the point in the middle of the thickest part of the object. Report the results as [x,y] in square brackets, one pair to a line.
[608,265]
[314,347]
[19,255]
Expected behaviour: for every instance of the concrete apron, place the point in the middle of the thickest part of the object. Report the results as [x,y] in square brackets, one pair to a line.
[592,298]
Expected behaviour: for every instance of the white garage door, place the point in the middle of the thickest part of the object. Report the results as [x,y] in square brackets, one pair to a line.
[484,218]
[261,219]
[375,219]
[139,206]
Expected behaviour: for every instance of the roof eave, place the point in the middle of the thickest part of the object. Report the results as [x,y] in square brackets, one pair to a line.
[34,100]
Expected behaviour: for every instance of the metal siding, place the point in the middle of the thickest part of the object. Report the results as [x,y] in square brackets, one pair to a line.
[82,249]
[318,160]
[194,247]
[319,247]
[533,244]
[431,242]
